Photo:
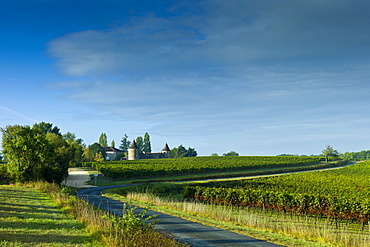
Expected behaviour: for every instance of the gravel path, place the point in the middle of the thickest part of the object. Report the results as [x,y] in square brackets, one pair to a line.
[78,178]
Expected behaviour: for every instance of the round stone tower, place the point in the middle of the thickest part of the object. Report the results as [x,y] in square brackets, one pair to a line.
[133,151]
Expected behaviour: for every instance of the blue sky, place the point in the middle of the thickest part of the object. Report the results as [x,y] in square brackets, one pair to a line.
[257,77]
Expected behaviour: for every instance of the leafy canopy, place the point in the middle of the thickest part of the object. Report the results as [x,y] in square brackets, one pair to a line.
[181,151]
[36,153]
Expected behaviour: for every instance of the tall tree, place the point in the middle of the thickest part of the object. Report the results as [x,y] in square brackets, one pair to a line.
[125,143]
[140,143]
[113,144]
[147,146]
[330,152]
[103,140]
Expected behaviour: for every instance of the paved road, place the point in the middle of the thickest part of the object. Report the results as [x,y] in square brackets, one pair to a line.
[194,234]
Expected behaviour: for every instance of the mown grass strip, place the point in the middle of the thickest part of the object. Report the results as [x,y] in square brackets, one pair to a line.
[30,218]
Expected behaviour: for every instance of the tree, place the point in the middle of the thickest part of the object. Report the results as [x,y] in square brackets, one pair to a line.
[181,151]
[330,152]
[63,153]
[71,138]
[231,153]
[103,141]
[125,143]
[112,144]
[48,127]
[36,153]
[147,147]
[191,152]
[140,143]
[86,154]
[26,150]
[77,144]
[97,152]
[214,154]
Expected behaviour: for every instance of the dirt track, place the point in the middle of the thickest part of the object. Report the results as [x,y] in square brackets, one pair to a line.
[78,178]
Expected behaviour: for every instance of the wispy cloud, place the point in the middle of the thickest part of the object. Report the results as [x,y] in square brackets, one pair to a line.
[17,114]
[221,33]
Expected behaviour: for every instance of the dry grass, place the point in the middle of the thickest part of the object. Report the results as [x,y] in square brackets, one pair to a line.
[321,231]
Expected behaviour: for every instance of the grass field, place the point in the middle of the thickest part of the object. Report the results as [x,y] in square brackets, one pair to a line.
[31,218]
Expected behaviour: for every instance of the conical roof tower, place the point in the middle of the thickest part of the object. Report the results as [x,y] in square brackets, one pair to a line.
[166,148]
[166,151]
[133,145]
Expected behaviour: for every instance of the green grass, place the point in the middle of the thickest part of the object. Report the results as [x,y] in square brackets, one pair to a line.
[30,218]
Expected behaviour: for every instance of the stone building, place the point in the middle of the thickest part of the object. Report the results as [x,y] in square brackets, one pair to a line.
[112,153]
[135,154]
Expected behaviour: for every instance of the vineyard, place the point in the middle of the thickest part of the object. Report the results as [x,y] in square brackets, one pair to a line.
[337,194]
[178,166]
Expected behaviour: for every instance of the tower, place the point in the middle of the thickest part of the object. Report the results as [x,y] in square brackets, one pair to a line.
[133,151]
[166,151]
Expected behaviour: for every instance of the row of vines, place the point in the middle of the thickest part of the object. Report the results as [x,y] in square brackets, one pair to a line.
[338,194]
[176,166]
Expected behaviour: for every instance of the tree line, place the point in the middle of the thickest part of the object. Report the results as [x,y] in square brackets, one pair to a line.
[142,142]
[362,155]
[42,152]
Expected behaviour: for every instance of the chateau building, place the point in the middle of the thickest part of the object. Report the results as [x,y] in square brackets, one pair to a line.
[112,153]
[135,154]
